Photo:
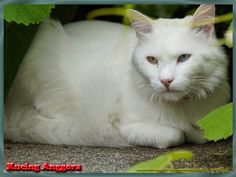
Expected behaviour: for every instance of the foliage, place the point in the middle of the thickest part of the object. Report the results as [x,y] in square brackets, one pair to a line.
[162,163]
[229,36]
[26,13]
[218,124]
[120,11]
[164,11]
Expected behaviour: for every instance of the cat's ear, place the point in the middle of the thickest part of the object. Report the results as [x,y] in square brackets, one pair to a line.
[203,19]
[140,23]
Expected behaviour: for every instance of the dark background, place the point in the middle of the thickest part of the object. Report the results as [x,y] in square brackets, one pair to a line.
[17,37]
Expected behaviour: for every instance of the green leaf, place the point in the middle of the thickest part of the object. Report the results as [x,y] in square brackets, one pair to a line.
[160,163]
[229,36]
[27,13]
[218,124]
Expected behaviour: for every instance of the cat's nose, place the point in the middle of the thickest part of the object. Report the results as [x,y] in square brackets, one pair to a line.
[166,82]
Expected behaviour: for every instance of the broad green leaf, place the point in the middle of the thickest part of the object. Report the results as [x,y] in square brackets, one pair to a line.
[26,13]
[218,124]
[160,163]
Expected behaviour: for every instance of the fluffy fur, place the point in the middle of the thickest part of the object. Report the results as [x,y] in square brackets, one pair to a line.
[89,83]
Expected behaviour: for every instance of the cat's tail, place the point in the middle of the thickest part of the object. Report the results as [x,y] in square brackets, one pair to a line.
[26,86]
[49,29]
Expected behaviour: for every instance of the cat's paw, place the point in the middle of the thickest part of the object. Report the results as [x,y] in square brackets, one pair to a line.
[172,137]
[160,136]
[195,135]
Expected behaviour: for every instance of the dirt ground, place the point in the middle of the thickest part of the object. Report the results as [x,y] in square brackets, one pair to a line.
[210,157]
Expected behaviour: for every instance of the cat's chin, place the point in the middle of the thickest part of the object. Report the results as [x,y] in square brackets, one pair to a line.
[168,95]
[173,96]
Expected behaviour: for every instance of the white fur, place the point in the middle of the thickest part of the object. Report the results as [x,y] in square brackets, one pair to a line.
[89,83]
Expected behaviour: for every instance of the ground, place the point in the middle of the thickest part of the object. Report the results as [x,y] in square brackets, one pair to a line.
[213,157]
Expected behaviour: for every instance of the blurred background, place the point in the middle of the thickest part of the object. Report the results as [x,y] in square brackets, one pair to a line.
[17,37]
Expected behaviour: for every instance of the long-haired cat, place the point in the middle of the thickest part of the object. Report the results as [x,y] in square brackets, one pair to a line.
[105,84]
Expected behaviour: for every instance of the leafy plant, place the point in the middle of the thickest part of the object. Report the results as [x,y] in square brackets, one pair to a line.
[229,36]
[119,11]
[218,124]
[26,13]
[162,163]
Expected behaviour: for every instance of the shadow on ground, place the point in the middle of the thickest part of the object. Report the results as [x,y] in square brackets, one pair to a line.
[213,157]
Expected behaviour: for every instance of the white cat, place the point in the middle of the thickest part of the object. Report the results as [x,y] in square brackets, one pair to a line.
[104,84]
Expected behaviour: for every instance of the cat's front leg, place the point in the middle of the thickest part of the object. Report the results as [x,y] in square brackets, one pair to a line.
[194,135]
[144,134]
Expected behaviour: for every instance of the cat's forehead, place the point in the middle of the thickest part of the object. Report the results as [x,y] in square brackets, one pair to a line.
[172,30]
[173,36]
[174,22]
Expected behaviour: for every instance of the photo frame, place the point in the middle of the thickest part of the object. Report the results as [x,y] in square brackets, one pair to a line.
[104,2]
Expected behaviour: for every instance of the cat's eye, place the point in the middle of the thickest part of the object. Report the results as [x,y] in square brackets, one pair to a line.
[152,60]
[183,58]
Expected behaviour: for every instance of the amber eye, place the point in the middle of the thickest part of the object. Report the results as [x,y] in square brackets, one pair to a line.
[152,60]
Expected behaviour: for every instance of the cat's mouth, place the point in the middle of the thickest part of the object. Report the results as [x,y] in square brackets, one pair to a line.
[171,94]
[174,95]
[171,91]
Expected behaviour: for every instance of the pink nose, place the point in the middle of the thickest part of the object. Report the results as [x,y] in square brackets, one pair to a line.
[166,82]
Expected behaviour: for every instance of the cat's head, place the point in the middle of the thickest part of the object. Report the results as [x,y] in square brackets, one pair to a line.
[178,58]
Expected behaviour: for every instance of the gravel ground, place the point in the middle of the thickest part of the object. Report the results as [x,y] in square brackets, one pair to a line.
[213,157]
